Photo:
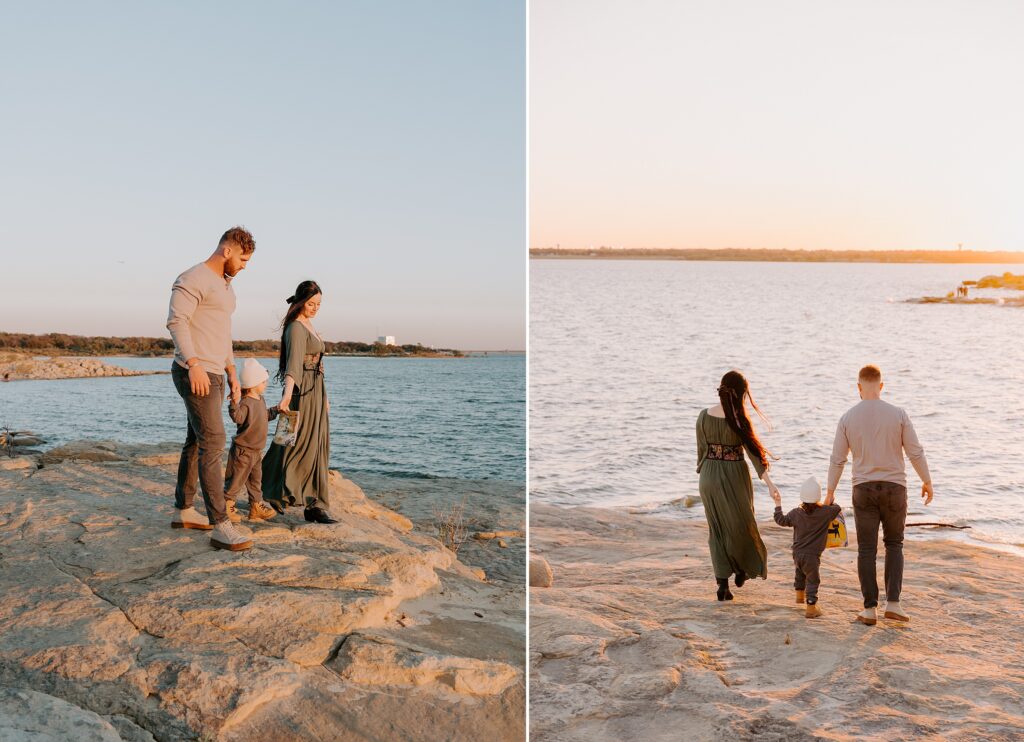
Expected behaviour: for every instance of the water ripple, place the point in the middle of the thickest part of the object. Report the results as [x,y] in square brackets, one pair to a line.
[624,355]
[426,418]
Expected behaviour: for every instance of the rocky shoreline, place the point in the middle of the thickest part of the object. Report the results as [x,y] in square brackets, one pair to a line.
[1000,302]
[119,627]
[14,367]
[491,507]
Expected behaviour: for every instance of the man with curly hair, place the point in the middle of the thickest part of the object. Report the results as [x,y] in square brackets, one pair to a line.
[199,320]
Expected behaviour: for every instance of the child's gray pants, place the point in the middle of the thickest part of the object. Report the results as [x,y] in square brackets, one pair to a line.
[244,473]
[807,575]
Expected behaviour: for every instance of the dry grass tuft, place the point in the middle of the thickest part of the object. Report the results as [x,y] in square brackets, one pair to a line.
[7,440]
[451,524]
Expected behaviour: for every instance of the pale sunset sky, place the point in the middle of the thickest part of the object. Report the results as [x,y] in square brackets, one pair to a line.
[815,125]
[375,147]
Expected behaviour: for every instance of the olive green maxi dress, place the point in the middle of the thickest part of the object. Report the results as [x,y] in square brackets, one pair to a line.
[728,497]
[297,474]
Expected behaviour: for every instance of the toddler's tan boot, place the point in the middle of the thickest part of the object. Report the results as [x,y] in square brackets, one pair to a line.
[260,511]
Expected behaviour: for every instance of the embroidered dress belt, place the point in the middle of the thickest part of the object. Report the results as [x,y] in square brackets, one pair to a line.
[721,452]
[313,362]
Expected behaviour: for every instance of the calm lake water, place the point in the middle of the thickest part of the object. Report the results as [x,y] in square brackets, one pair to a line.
[403,417]
[624,354]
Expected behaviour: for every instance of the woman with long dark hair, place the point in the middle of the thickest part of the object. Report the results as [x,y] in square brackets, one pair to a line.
[297,474]
[724,432]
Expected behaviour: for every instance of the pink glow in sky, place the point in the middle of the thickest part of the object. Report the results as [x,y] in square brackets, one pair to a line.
[839,125]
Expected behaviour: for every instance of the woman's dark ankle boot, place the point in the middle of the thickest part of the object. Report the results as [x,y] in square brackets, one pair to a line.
[317,515]
[723,589]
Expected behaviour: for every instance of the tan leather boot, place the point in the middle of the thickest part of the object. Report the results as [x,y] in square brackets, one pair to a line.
[261,511]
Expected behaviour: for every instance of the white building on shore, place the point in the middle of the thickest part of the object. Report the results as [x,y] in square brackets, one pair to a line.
[386,340]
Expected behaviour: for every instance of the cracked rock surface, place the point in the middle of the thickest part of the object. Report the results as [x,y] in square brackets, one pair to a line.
[629,642]
[362,630]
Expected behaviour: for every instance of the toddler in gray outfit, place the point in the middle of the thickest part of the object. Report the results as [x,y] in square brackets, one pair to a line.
[810,524]
[245,460]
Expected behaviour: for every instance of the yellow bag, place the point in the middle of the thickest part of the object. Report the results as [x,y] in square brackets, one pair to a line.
[837,533]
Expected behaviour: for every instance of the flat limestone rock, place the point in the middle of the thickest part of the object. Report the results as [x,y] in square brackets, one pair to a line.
[348,494]
[129,730]
[469,656]
[346,711]
[17,462]
[109,609]
[28,716]
[376,660]
[491,507]
[82,451]
[24,440]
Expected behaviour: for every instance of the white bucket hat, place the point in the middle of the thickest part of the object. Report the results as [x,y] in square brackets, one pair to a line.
[253,373]
[810,491]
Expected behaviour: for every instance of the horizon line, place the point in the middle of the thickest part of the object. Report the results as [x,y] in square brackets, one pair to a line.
[247,340]
[611,248]
[782,255]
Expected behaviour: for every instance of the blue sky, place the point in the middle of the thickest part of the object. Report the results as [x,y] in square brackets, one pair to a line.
[376,147]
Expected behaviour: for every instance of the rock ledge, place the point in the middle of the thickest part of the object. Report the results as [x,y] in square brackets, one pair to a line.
[362,630]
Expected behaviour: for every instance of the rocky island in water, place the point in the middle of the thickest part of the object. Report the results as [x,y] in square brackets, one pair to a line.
[25,367]
[961,294]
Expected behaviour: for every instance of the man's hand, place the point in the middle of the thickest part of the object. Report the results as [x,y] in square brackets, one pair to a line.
[199,380]
[927,493]
[830,497]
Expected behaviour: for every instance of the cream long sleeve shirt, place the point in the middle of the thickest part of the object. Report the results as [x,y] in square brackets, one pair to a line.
[199,318]
[877,433]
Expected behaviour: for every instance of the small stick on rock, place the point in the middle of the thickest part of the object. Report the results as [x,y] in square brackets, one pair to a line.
[488,535]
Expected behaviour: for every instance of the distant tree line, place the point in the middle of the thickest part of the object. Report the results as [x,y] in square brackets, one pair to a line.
[782,256]
[56,343]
